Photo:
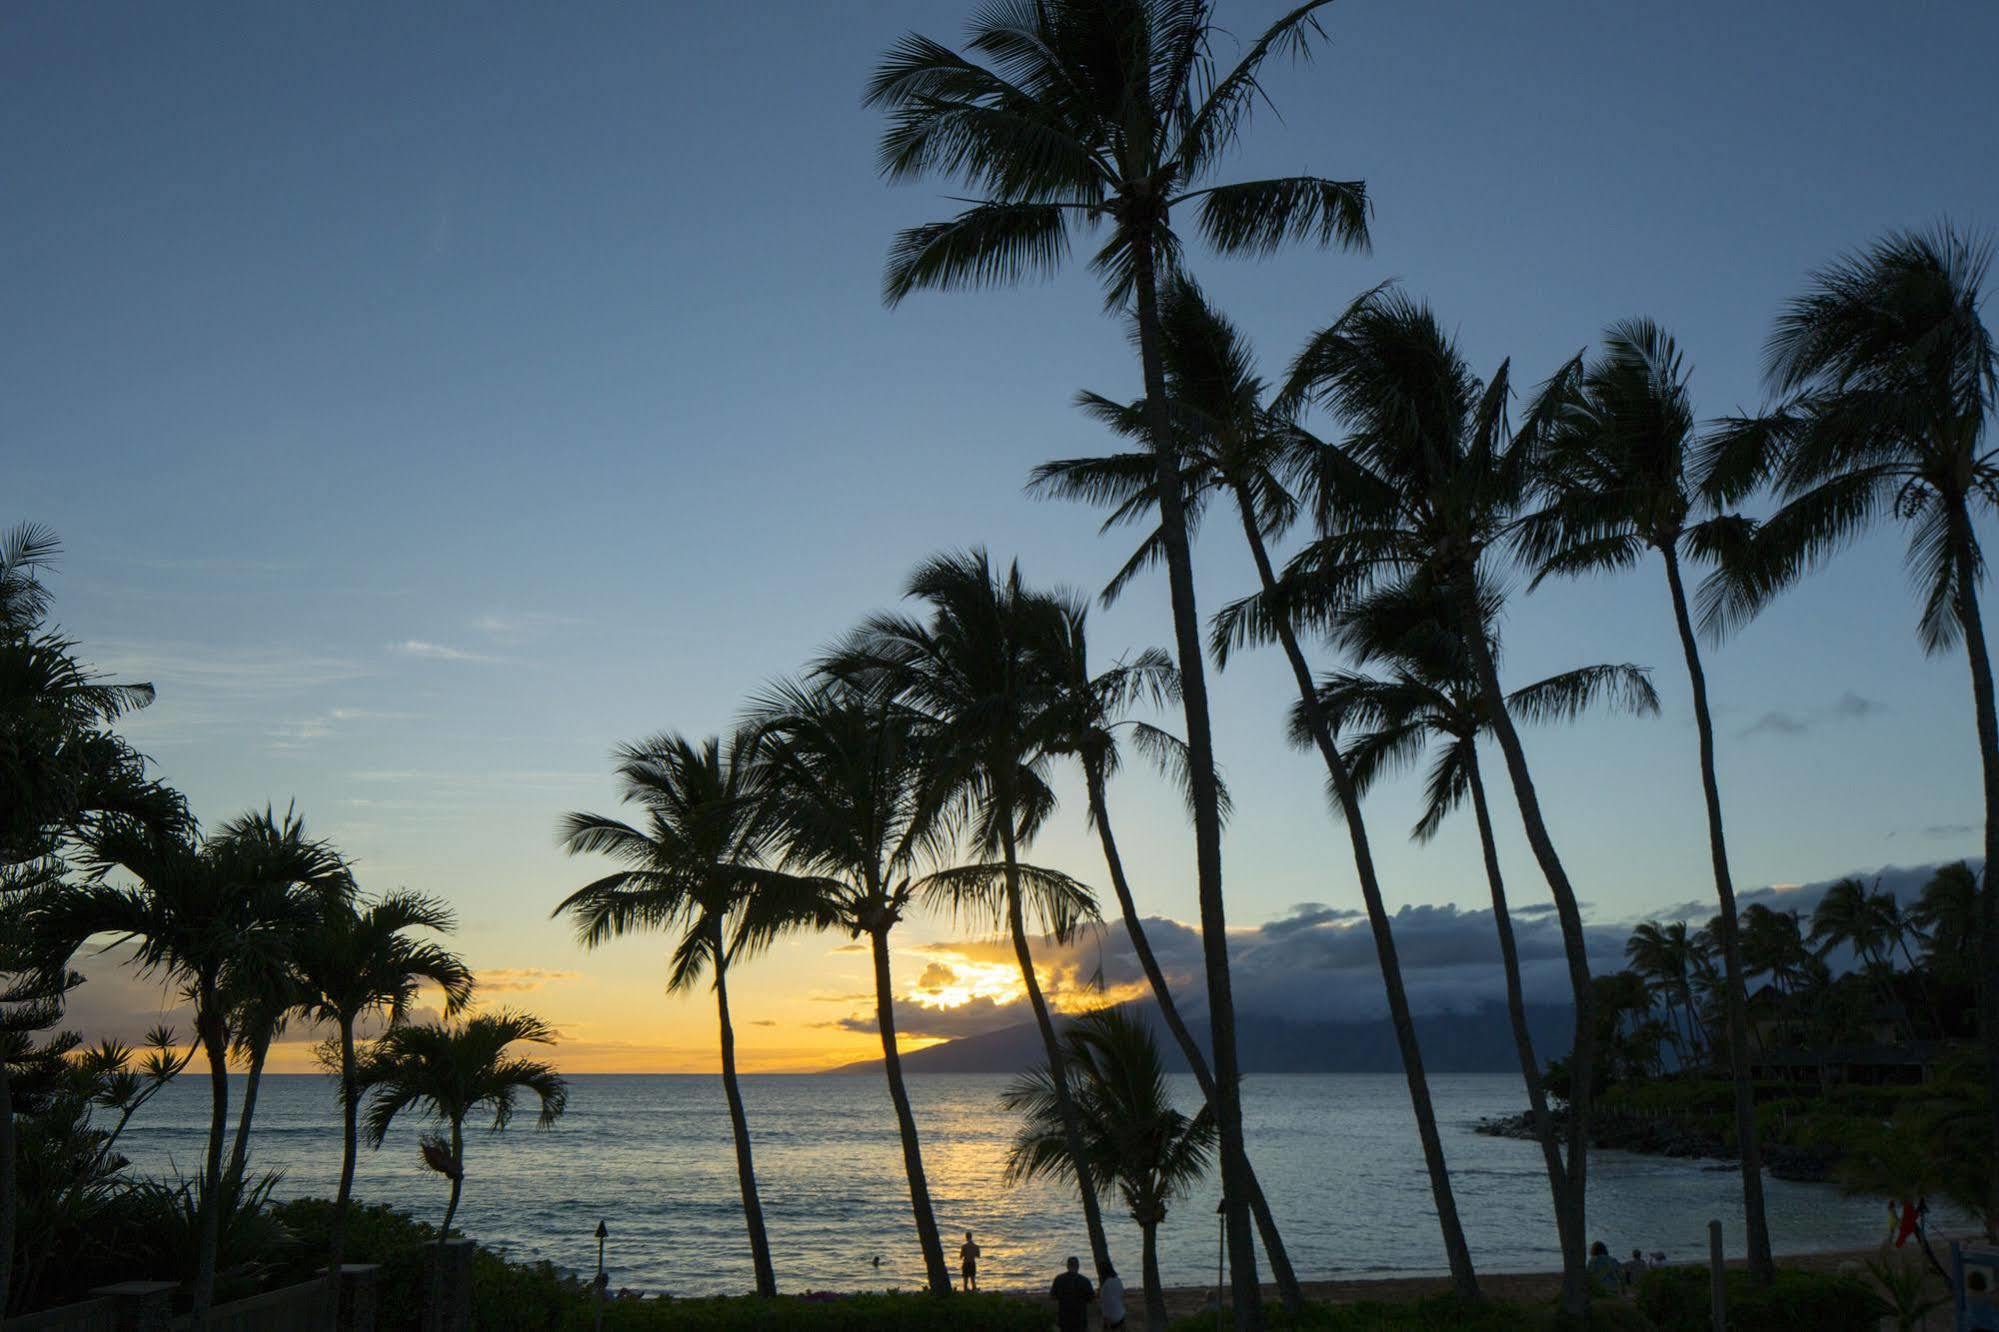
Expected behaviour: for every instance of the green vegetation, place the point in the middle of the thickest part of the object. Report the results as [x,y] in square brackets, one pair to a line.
[1676,1300]
[1446,1313]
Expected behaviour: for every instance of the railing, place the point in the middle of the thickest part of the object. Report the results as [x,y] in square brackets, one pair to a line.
[147,1306]
[301,1306]
[99,1315]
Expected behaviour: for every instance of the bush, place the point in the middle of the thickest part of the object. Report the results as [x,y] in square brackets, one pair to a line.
[1438,1313]
[841,1313]
[1676,1300]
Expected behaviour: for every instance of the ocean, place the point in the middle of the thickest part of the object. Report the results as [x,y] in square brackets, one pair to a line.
[650,1156]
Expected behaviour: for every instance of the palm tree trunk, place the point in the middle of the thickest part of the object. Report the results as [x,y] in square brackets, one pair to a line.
[1456,1252]
[8,1184]
[739,1124]
[1205,791]
[1988,753]
[239,1154]
[435,1315]
[912,1154]
[215,1041]
[1281,1271]
[1155,1293]
[1058,1071]
[1582,1053]
[1516,1010]
[350,1145]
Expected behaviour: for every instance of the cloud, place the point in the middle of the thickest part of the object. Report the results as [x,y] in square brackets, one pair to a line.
[512,626]
[914,1021]
[1950,829]
[520,979]
[1304,916]
[1848,707]
[295,735]
[423,651]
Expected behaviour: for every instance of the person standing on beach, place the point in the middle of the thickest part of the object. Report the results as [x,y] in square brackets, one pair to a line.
[1110,1297]
[1072,1294]
[968,1264]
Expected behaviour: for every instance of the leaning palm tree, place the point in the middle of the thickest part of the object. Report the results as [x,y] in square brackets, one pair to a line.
[1137,1141]
[358,959]
[1429,701]
[852,789]
[1420,491]
[1079,113]
[1890,380]
[983,666]
[447,1073]
[699,869]
[1090,724]
[1617,451]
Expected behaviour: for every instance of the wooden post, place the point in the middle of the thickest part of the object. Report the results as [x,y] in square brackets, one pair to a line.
[1716,1273]
[356,1309]
[140,1306]
[453,1286]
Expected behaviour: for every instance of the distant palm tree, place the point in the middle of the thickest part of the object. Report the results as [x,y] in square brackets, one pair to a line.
[1773,945]
[1091,722]
[1428,701]
[1136,1140]
[1890,380]
[699,867]
[854,792]
[447,1073]
[1423,487]
[1617,454]
[1090,113]
[1947,915]
[357,959]
[984,667]
[1664,956]
[1850,916]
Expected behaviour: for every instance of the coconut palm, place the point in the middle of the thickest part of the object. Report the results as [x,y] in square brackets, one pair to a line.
[1773,945]
[1664,956]
[1889,380]
[205,914]
[699,869]
[1426,702]
[1848,916]
[1616,469]
[1091,726]
[1136,1140]
[1079,113]
[854,793]
[983,667]
[448,1072]
[1420,491]
[1228,441]
[358,959]
[1947,915]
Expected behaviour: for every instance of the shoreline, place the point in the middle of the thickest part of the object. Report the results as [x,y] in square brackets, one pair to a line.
[1671,1139]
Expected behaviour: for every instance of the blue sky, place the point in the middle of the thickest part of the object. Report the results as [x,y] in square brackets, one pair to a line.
[430,398]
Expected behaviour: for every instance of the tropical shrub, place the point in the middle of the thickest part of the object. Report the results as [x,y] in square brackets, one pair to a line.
[1676,1300]
[833,1313]
[1439,1313]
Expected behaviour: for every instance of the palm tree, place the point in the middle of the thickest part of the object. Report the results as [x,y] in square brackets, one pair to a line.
[357,959]
[446,1073]
[1889,380]
[1429,700]
[697,868]
[206,914]
[1947,915]
[1091,718]
[983,667]
[1664,956]
[1773,945]
[1136,1140]
[1113,112]
[1228,441]
[853,791]
[1421,489]
[1616,469]
[1847,916]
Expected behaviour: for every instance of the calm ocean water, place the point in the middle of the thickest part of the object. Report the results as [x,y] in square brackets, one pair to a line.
[651,1157]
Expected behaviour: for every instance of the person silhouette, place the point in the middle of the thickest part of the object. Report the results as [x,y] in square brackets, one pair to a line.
[968,1263]
[1072,1293]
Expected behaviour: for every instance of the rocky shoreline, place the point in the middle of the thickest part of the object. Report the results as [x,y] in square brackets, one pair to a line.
[1674,1138]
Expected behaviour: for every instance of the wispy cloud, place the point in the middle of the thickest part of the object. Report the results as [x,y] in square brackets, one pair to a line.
[511,980]
[295,735]
[512,626]
[1848,707]
[426,651]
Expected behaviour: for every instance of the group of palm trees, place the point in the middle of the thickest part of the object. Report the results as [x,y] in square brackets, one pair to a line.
[255,925]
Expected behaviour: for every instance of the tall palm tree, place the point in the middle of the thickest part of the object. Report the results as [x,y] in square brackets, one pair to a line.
[1617,470]
[1423,487]
[983,667]
[1429,700]
[358,959]
[1113,113]
[698,868]
[854,792]
[1847,916]
[1091,720]
[1229,442]
[1889,380]
[1136,1140]
[205,914]
[1947,915]
[1773,945]
[447,1073]
[1664,956]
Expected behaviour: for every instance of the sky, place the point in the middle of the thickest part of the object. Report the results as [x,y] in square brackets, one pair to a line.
[431,398]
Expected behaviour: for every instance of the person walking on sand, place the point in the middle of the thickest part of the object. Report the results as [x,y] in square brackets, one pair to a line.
[1072,1294]
[968,1264]
[1110,1297]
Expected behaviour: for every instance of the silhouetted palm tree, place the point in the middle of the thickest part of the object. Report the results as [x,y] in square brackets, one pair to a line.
[1420,490]
[1616,462]
[1947,915]
[357,959]
[1112,113]
[1773,945]
[1890,379]
[1664,956]
[854,791]
[447,1073]
[983,666]
[1134,1138]
[699,868]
